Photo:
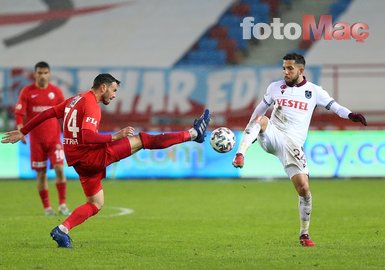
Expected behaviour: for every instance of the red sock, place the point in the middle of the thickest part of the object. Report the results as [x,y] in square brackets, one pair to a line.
[163,140]
[80,214]
[61,191]
[44,198]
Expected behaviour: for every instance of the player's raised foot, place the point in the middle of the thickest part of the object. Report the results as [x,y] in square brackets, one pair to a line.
[305,241]
[238,160]
[63,210]
[201,124]
[48,212]
[62,239]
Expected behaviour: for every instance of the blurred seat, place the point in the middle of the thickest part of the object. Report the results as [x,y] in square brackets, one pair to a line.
[229,46]
[206,57]
[274,6]
[230,20]
[251,2]
[207,43]
[337,8]
[262,10]
[236,34]
[218,32]
[240,10]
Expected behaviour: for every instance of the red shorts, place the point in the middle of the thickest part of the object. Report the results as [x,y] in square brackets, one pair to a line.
[92,168]
[41,152]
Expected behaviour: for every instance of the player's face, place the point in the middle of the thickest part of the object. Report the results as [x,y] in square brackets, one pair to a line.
[110,93]
[292,72]
[41,76]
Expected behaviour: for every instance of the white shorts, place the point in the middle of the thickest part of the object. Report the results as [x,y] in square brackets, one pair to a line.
[289,153]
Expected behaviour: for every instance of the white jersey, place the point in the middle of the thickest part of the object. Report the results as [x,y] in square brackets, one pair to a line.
[294,106]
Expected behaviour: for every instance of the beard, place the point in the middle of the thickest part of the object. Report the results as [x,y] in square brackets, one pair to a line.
[42,83]
[292,82]
[105,101]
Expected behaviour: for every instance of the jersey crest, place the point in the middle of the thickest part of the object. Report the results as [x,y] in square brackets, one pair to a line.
[308,94]
[74,101]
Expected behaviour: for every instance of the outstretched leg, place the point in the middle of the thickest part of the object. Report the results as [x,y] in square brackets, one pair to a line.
[196,133]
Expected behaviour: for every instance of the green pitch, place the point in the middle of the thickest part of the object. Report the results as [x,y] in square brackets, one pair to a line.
[194,224]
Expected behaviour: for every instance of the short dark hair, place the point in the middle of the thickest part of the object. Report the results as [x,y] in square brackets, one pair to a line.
[104,78]
[299,59]
[41,64]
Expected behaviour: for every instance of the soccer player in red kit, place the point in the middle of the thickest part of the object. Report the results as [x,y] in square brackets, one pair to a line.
[90,152]
[45,139]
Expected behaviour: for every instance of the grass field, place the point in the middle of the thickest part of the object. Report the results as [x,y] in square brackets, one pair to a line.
[194,224]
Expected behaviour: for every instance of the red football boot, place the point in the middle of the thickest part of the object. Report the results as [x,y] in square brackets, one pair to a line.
[305,241]
[238,160]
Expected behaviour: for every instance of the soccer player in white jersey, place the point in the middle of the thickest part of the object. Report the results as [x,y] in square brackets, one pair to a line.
[283,135]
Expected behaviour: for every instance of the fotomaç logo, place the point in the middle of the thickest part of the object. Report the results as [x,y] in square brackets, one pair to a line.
[309,29]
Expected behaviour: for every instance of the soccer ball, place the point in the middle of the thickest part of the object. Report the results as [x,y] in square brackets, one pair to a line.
[222,139]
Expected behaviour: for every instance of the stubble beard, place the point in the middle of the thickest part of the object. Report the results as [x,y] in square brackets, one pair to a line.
[292,82]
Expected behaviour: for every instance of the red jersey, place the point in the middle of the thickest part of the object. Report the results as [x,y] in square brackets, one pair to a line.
[33,100]
[79,112]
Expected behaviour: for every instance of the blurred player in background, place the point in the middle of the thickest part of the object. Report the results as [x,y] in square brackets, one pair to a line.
[45,139]
[90,152]
[283,135]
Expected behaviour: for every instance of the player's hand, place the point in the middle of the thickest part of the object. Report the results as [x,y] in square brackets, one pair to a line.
[357,117]
[12,136]
[123,133]
[23,140]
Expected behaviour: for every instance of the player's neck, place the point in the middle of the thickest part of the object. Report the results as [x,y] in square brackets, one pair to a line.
[41,86]
[97,94]
[300,80]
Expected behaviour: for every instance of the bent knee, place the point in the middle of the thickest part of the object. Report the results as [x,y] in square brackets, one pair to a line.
[301,185]
[262,121]
[100,206]
[98,202]
[303,192]
[303,189]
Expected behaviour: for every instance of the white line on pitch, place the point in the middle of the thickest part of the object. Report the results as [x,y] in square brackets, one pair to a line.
[122,211]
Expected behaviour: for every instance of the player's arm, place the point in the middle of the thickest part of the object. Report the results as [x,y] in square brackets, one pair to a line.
[16,135]
[89,127]
[344,112]
[20,109]
[260,110]
[262,107]
[250,133]
[90,136]
[53,112]
[20,112]
[338,109]
[60,96]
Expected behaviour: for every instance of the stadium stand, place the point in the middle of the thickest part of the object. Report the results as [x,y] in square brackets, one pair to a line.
[227,31]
